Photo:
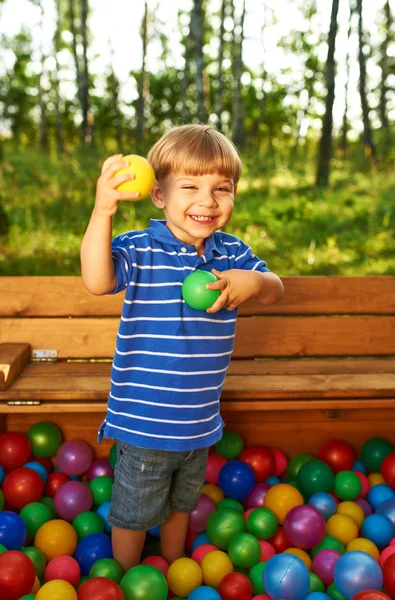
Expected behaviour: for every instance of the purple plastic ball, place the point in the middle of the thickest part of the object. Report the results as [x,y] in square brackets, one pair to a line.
[200,513]
[324,565]
[304,526]
[256,497]
[364,504]
[98,468]
[74,457]
[71,499]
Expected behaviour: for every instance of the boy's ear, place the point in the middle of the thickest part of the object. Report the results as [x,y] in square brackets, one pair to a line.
[157,195]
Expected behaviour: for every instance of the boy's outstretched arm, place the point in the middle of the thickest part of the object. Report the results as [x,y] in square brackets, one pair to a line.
[97,268]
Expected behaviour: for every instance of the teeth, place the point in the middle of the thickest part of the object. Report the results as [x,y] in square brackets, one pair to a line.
[201,218]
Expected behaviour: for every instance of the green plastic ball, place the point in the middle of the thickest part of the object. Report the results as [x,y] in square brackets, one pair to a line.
[223,525]
[113,455]
[38,559]
[107,567]
[244,550]
[231,503]
[34,515]
[45,439]
[328,543]
[3,549]
[374,452]
[316,584]
[348,486]
[28,597]
[1,500]
[195,293]
[315,476]
[144,581]
[334,593]
[256,578]
[101,488]
[230,446]
[296,463]
[82,580]
[86,523]
[262,523]
[50,504]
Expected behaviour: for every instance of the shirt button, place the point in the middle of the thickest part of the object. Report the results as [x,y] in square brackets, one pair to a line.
[183,249]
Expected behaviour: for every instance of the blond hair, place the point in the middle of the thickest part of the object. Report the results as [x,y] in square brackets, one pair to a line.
[195,149]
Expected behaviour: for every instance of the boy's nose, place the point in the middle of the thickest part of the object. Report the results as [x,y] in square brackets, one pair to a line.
[207,199]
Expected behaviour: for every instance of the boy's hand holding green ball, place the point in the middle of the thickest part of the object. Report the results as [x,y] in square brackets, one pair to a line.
[195,293]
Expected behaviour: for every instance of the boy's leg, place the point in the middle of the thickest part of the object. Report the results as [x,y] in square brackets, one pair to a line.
[127,547]
[173,533]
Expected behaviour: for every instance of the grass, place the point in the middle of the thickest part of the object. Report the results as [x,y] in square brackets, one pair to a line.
[298,229]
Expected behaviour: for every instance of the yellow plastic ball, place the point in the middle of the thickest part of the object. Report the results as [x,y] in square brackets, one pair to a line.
[304,557]
[342,527]
[375,479]
[353,510]
[364,545]
[215,565]
[183,576]
[281,498]
[56,538]
[144,176]
[36,586]
[57,589]
[215,493]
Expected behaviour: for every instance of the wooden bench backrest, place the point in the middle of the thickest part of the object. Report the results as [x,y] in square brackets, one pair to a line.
[319,316]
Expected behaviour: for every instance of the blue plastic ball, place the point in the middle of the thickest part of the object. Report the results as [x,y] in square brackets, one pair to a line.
[378,529]
[12,530]
[154,531]
[286,577]
[324,503]
[359,466]
[356,571]
[236,479]
[2,475]
[103,511]
[378,494]
[317,596]
[39,468]
[199,540]
[273,480]
[388,510]
[92,548]
[204,592]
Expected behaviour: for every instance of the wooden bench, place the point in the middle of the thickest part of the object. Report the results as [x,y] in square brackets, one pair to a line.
[319,365]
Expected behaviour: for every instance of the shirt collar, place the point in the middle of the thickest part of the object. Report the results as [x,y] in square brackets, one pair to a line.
[158,230]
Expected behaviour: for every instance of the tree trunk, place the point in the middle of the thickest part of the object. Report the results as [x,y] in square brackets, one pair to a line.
[55,79]
[197,33]
[43,123]
[325,149]
[385,71]
[75,52]
[87,115]
[367,139]
[142,86]
[238,130]
[220,86]
[344,133]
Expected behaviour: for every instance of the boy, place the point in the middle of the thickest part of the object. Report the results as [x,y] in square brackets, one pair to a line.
[170,360]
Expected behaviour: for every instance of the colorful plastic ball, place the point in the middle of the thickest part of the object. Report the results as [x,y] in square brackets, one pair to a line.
[215,462]
[86,523]
[222,525]
[388,510]
[371,595]
[231,503]
[388,469]
[359,466]
[38,559]
[364,545]
[111,569]
[215,565]
[347,485]
[378,529]
[385,554]
[100,467]
[316,585]
[379,494]
[374,452]
[100,588]
[375,479]
[281,498]
[12,530]
[199,515]
[334,593]
[236,479]
[338,455]
[302,554]
[273,480]
[183,576]
[22,486]
[2,475]
[15,450]
[199,540]
[39,468]
[329,543]
[28,597]
[256,497]
[91,548]
[235,586]
[101,488]
[255,575]
[56,590]
[364,504]
[324,565]
[56,538]
[260,459]
[317,596]
[230,446]
[54,482]
[17,573]
[34,515]
[194,290]
[286,577]
[262,523]
[315,476]
[389,575]
[304,526]
[200,552]
[342,527]
[103,512]
[357,571]
[296,463]
[73,498]
[204,592]
[244,550]
[280,461]
[279,541]
[267,550]
[74,457]
[214,492]
[45,439]
[324,503]
[63,567]
[353,510]
[113,456]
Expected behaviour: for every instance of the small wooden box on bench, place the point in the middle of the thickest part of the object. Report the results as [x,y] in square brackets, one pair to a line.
[317,366]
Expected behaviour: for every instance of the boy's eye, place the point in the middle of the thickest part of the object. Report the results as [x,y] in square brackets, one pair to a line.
[188,187]
[222,189]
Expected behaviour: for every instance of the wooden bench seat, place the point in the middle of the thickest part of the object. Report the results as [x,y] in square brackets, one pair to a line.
[316,366]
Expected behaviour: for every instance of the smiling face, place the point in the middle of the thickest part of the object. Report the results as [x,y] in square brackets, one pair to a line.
[195,206]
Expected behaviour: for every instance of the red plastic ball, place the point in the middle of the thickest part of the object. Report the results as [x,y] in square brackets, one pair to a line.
[215,462]
[388,469]
[158,562]
[65,568]
[45,462]
[100,588]
[280,461]
[339,455]
[261,461]
[389,575]
[15,450]
[371,595]
[279,541]
[54,482]
[191,535]
[235,586]
[22,486]
[17,574]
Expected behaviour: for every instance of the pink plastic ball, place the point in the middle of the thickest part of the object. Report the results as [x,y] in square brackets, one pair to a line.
[267,550]
[364,482]
[73,498]
[324,565]
[392,542]
[74,457]
[201,551]
[280,461]
[63,567]
[215,462]
[304,526]
[158,562]
[247,513]
[200,513]
[256,498]
[261,597]
[385,554]
[99,468]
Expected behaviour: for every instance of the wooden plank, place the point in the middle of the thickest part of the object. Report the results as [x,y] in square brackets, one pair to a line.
[67,296]
[256,336]
[13,359]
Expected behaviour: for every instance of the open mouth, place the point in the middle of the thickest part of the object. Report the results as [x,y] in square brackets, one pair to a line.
[202,219]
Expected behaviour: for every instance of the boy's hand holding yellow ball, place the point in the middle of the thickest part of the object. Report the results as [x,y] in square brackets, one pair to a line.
[144,176]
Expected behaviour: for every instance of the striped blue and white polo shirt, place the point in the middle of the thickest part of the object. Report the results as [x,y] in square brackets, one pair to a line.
[170,360]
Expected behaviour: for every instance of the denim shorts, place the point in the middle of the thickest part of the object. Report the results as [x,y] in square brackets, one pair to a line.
[149,484]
